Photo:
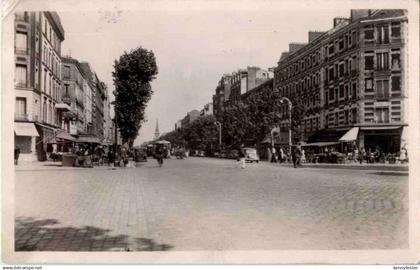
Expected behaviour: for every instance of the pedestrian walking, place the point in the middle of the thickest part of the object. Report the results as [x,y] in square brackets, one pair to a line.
[17,153]
[303,157]
[296,155]
[159,154]
[281,155]
[241,157]
[274,155]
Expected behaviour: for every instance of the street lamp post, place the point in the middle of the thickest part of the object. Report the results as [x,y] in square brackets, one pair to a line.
[290,119]
[219,125]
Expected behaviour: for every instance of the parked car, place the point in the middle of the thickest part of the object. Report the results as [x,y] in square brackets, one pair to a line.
[233,154]
[251,154]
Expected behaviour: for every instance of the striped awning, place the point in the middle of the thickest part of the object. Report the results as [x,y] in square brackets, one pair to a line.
[350,135]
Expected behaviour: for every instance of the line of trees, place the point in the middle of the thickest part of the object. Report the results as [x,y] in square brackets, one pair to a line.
[248,121]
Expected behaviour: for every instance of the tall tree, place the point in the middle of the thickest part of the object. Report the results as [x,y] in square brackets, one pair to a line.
[132,74]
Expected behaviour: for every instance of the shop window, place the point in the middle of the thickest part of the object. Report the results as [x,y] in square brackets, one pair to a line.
[395,83]
[369,62]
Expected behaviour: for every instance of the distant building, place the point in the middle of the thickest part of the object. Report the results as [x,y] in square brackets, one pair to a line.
[351,80]
[190,117]
[231,86]
[178,124]
[207,110]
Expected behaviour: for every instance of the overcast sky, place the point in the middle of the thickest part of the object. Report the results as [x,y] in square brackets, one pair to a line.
[193,45]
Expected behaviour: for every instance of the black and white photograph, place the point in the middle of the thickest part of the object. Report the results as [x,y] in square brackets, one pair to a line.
[182,127]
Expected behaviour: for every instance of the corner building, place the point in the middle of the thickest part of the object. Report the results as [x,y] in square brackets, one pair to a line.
[38,108]
[351,81]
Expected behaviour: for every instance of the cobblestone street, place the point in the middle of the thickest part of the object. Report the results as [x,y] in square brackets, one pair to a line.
[209,204]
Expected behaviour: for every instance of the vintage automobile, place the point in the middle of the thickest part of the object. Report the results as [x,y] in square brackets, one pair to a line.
[251,154]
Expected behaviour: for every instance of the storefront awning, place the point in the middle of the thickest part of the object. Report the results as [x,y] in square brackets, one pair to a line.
[404,137]
[26,129]
[88,139]
[65,136]
[350,135]
[320,144]
[380,128]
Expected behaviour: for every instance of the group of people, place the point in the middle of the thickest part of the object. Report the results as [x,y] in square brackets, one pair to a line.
[379,155]
[281,155]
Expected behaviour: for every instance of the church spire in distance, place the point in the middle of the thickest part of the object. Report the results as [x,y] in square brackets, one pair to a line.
[157,130]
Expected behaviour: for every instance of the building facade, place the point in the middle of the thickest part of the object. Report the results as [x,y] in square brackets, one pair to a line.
[38,108]
[207,109]
[190,117]
[74,89]
[351,81]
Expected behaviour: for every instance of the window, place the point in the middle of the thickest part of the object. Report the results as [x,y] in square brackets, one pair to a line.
[395,30]
[395,61]
[331,74]
[346,117]
[395,83]
[382,115]
[354,115]
[66,72]
[369,62]
[20,107]
[382,34]
[330,49]
[382,61]
[382,89]
[331,94]
[21,42]
[341,70]
[341,91]
[21,78]
[369,34]
[44,111]
[354,90]
[341,44]
[45,80]
[369,83]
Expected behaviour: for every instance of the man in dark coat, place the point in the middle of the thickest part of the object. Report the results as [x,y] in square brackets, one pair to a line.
[17,153]
[296,154]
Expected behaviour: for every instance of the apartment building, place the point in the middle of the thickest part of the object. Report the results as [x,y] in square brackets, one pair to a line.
[351,81]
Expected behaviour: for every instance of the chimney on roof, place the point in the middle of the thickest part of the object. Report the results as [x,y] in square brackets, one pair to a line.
[356,14]
[340,20]
[312,35]
[295,46]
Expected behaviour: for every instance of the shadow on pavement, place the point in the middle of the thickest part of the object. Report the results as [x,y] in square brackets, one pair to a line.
[44,235]
[391,173]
